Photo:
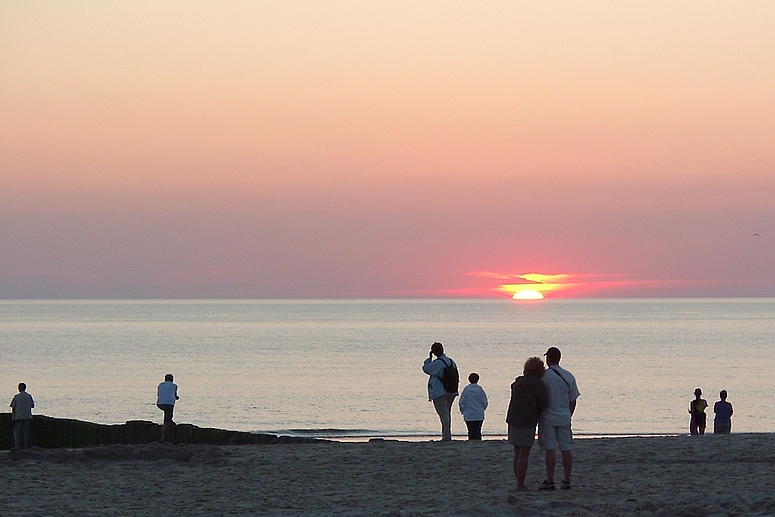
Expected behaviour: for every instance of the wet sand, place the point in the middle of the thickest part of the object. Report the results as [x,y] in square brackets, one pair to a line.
[660,476]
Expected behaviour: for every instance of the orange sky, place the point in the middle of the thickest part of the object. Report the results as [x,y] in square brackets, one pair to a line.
[273,149]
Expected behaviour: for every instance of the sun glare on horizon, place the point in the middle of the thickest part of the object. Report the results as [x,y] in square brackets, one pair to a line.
[537,286]
[527,294]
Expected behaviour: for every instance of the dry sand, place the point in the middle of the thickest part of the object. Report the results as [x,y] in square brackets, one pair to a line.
[661,476]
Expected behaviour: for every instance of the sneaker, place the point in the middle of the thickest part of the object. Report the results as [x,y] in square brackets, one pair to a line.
[565,485]
[546,485]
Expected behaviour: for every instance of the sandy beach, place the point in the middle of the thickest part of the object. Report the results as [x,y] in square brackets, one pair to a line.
[659,476]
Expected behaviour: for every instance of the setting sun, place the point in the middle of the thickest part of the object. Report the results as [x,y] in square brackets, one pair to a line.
[531,286]
[527,294]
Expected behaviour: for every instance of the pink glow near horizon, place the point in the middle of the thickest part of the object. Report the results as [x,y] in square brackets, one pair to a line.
[166,149]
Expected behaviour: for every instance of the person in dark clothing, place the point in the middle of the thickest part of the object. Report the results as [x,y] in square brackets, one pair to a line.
[697,411]
[722,423]
[21,416]
[529,398]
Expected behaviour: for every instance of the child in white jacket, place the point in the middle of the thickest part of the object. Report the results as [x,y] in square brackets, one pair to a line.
[473,402]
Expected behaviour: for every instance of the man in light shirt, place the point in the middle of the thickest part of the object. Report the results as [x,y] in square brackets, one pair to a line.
[554,425]
[166,395]
[21,416]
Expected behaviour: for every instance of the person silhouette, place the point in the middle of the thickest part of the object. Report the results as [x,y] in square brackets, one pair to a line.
[554,426]
[166,395]
[697,411]
[722,422]
[21,416]
[473,403]
[437,393]
[529,398]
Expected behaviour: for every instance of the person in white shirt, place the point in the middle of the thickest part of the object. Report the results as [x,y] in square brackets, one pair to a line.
[21,417]
[554,425]
[473,402]
[166,395]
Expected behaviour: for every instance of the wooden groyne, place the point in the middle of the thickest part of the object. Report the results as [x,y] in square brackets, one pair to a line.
[51,433]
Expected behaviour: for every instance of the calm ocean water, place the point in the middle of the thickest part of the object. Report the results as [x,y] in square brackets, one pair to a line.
[352,367]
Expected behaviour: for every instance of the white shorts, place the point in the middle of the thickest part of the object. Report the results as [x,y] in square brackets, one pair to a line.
[550,437]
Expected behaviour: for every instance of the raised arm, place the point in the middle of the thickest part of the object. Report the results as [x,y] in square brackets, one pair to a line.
[433,367]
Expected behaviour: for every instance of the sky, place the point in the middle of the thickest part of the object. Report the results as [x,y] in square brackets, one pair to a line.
[315,149]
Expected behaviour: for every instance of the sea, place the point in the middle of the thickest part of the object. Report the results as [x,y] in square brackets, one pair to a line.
[351,369]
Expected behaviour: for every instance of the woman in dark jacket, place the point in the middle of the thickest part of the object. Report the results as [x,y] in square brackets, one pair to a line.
[528,399]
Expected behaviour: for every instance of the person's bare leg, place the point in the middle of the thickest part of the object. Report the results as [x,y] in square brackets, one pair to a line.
[551,461]
[567,464]
[515,463]
[521,458]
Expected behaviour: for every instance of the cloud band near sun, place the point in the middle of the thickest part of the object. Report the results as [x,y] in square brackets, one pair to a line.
[538,285]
